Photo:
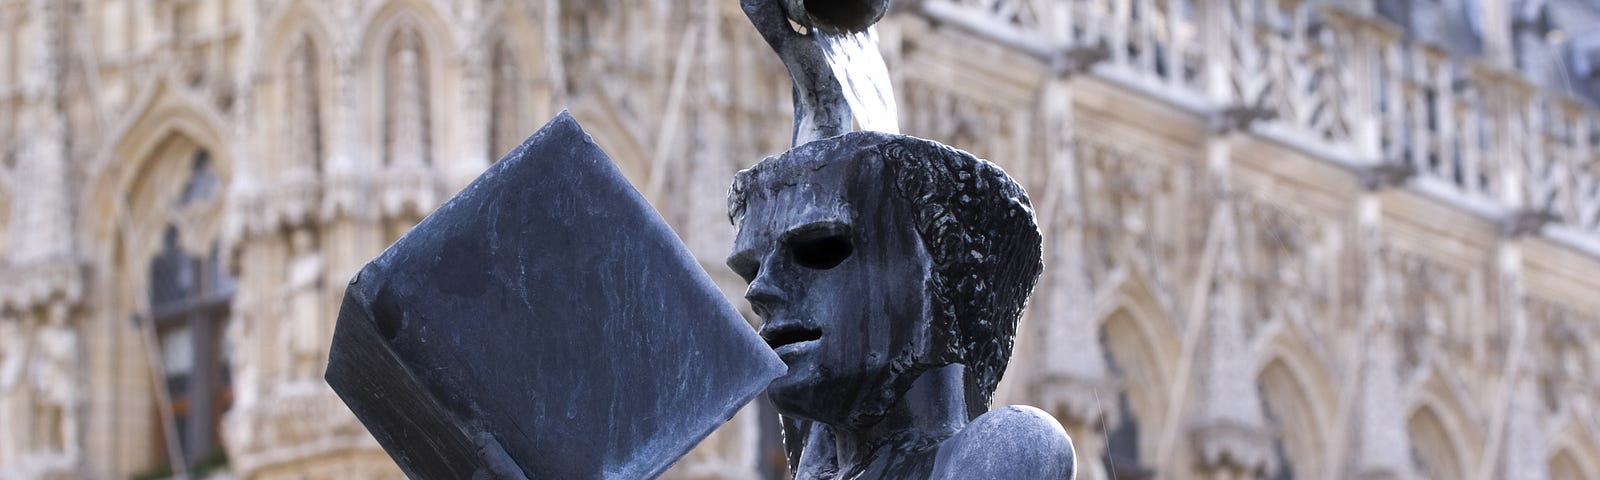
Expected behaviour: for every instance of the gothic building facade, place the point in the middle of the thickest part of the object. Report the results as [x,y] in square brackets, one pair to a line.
[1287,239]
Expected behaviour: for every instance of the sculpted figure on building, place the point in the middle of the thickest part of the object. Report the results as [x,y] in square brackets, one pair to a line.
[306,337]
[54,376]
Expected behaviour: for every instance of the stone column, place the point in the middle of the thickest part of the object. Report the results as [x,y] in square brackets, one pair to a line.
[1229,431]
[1383,445]
[13,356]
[472,152]
[1525,447]
[42,208]
[44,282]
[710,166]
[1383,442]
[1495,18]
[1522,219]
[1073,380]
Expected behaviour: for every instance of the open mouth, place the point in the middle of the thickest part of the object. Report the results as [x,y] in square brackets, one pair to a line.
[788,335]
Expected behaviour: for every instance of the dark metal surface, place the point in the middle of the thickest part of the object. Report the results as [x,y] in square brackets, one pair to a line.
[549,312]
[836,15]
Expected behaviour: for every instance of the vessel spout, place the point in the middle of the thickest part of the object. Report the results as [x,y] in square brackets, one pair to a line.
[836,16]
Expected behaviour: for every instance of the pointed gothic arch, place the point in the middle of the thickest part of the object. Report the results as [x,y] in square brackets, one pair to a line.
[409,83]
[507,99]
[5,212]
[304,84]
[172,280]
[1289,345]
[1433,453]
[1296,418]
[1565,465]
[518,83]
[167,166]
[1442,442]
[162,114]
[299,64]
[1574,449]
[1138,348]
[407,115]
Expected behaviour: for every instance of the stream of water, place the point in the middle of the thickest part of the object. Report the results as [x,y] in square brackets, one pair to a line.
[862,74]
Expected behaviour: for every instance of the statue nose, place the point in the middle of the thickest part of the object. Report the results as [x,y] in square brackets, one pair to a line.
[763,295]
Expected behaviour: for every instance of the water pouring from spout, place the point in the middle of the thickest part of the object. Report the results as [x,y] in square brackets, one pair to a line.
[843,29]
[838,74]
[859,68]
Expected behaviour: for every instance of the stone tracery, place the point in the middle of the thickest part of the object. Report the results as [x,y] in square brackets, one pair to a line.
[405,97]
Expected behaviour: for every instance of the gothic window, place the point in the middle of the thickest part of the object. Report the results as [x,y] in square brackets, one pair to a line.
[1122,446]
[1285,468]
[202,181]
[189,297]
[1292,421]
[1431,452]
[507,104]
[1564,466]
[185,29]
[5,220]
[304,106]
[1123,458]
[1583,56]
[183,20]
[406,123]
[1285,465]
[8,54]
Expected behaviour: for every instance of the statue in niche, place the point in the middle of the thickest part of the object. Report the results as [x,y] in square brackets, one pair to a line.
[13,354]
[304,286]
[407,124]
[305,109]
[507,89]
[245,363]
[890,273]
[53,375]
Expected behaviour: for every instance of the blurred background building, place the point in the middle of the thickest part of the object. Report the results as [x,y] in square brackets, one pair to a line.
[1287,239]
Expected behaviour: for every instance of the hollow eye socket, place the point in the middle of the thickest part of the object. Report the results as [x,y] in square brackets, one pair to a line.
[821,252]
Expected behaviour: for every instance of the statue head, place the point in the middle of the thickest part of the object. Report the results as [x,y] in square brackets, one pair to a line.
[872,258]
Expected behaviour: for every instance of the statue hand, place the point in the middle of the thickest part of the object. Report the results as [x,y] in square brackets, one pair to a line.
[820,109]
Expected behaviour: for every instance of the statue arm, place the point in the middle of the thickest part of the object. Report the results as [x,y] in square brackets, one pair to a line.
[820,109]
[1018,442]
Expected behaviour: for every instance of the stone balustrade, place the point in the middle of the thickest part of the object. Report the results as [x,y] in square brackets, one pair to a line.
[1340,84]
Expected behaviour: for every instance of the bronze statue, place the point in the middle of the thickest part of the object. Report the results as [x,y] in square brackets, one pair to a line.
[890,273]
[546,323]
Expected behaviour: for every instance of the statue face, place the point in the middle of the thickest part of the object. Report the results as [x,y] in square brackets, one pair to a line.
[838,276]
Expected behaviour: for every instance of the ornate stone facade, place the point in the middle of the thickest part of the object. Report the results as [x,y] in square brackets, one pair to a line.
[1285,239]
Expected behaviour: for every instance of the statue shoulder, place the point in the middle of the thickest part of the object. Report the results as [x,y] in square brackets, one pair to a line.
[1019,442]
